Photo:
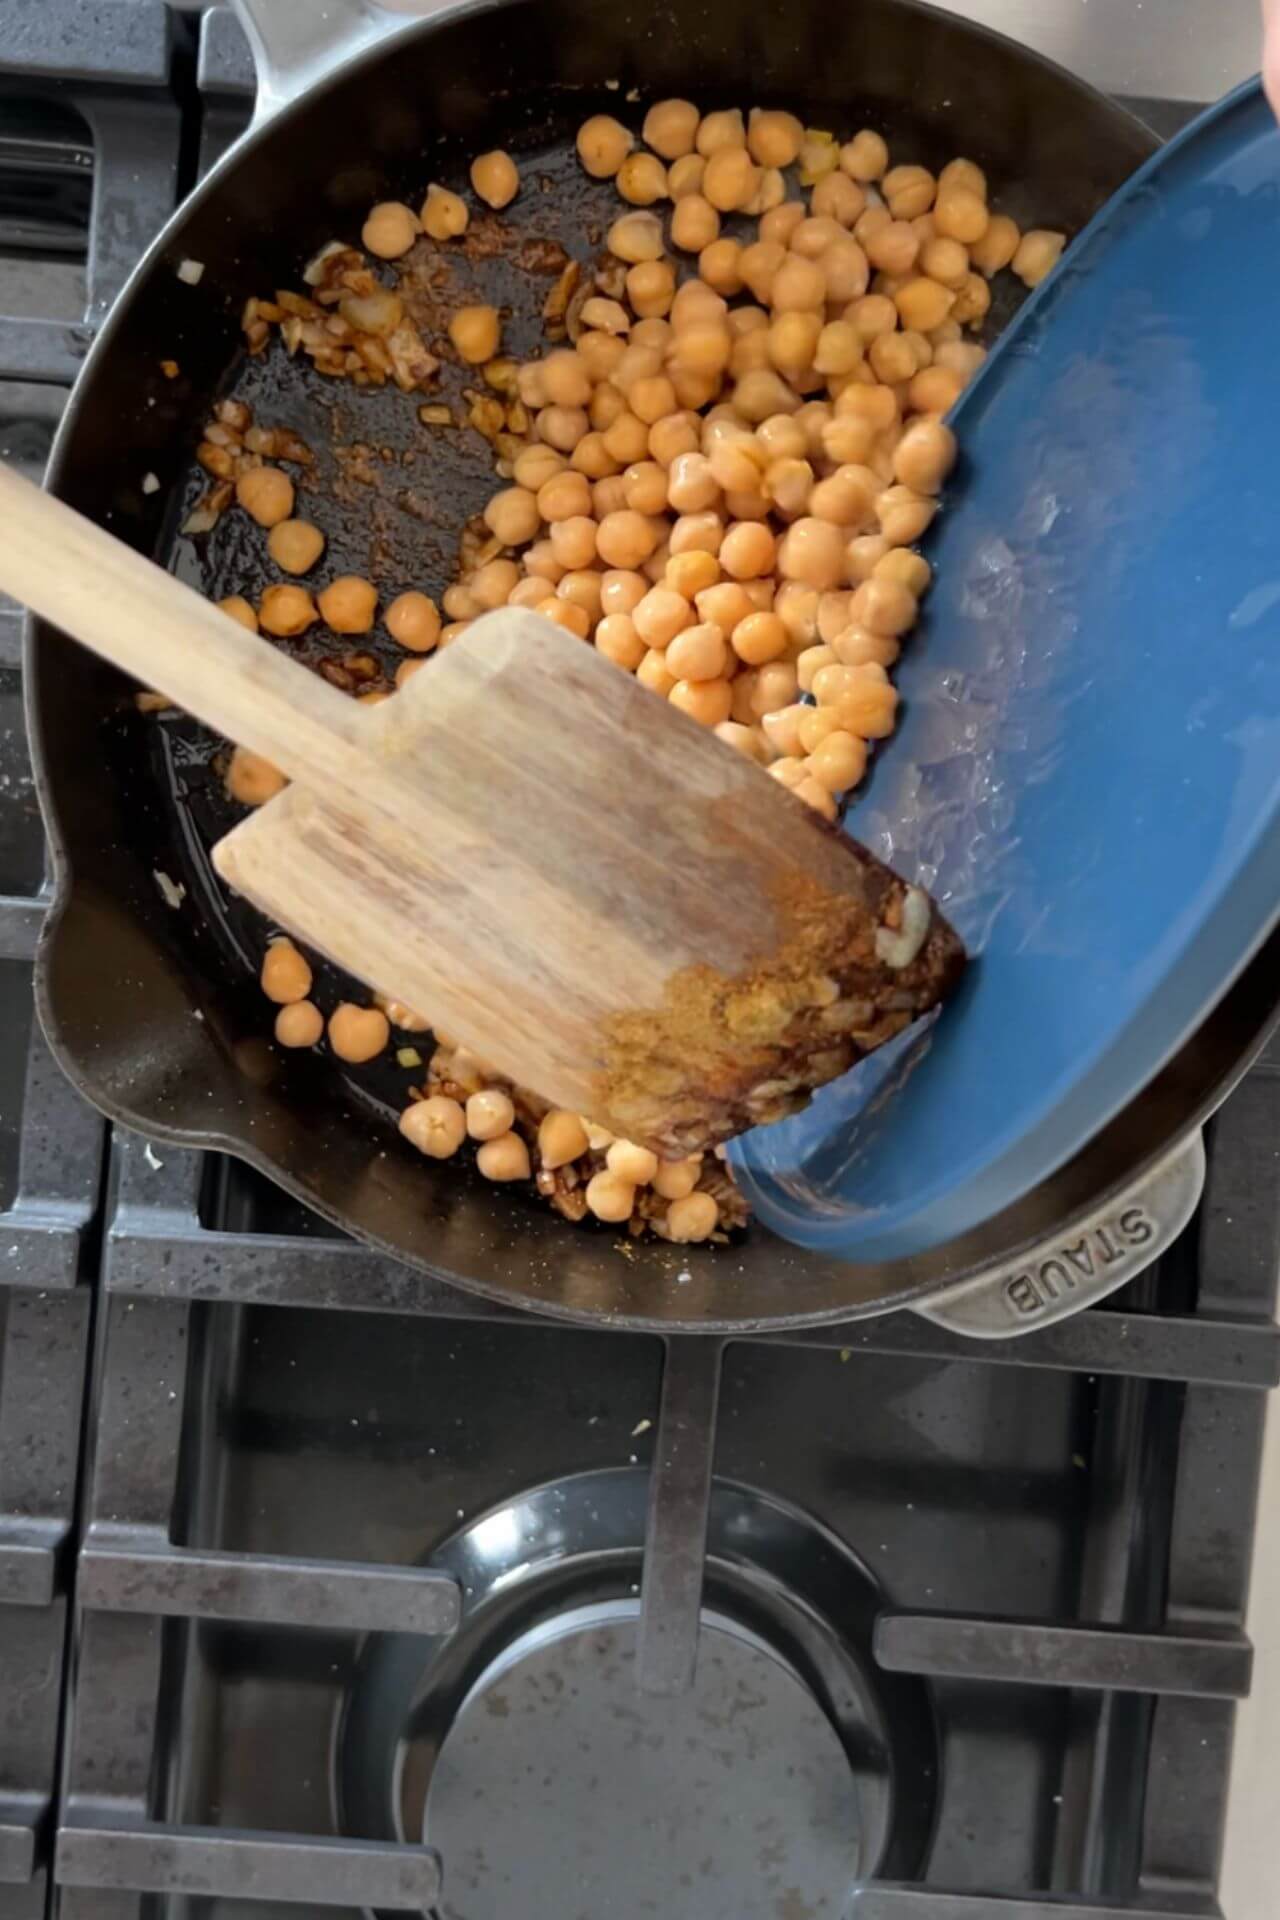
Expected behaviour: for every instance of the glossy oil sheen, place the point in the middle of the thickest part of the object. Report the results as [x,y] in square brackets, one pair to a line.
[1087,775]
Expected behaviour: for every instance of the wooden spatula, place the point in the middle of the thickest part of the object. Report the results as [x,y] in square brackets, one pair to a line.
[570,876]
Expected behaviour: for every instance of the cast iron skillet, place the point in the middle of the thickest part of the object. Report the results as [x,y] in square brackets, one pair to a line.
[154,1011]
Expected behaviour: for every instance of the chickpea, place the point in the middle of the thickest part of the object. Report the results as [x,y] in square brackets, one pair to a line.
[720,264]
[563,613]
[960,214]
[562,427]
[787,486]
[781,729]
[697,532]
[869,708]
[603,145]
[810,663]
[592,459]
[625,539]
[872,315]
[923,303]
[998,246]
[904,514]
[582,588]
[448,634]
[837,197]
[512,516]
[529,593]
[709,702]
[266,494]
[799,285]
[610,1198]
[608,496]
[891,359]
[730,180]
[911,569]
[774,139]
[444,214]
[358,1034]
[699,653]
[685,175]
[702,350]
[606,404]
[564,495]
[793,341]
[892,248]
[632,1164]
[237,608]
[750,352]
[295,545]
[925,456]
[645,486]
[744,739]
[529,384]
[671,127]
[884,606]
[652,674]
[413,621]
[775,686]
[945,261]
[285,975]
[616,638]
[788,772]
[494,177]
[476,332]
[693,1218]
[492,583]
[690,574]
[1037,254]
[747,550]
[839,762]
[390,230]
[759,264]
[562,1137]
[600,353]
[349,604]
[812,551]
[909,191]
[675,1179]
[504,1158]
[436,1126]
[761,393]
[865,157]
[725,604]
[642,179]
[489,1114]
[660,616]
[459,601]
[652,400]
[694,223]
[573,542]
[622,589]
[609,316]
[718,130]
[759,638]
[566,380]
[286,611]
[300,1024]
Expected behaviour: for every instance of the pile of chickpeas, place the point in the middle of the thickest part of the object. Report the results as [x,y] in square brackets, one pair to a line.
[729,460]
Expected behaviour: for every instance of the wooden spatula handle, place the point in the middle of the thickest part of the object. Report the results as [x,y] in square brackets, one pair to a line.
[139,617]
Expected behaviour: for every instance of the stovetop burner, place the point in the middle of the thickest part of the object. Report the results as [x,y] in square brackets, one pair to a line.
[791,1768]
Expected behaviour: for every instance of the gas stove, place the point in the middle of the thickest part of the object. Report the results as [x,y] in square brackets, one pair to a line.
[323,1584]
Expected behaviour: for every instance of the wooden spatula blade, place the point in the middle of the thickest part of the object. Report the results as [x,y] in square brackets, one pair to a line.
[595,894]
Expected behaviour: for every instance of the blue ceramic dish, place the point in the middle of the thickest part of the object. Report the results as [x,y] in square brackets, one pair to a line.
[1087,774]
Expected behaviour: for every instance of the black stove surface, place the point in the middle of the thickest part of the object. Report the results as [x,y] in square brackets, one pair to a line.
[368,1597]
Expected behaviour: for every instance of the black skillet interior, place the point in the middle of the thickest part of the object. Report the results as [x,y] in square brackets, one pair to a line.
[155,1009]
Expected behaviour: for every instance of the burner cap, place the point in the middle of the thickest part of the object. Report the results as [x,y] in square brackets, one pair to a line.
[561,1792]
